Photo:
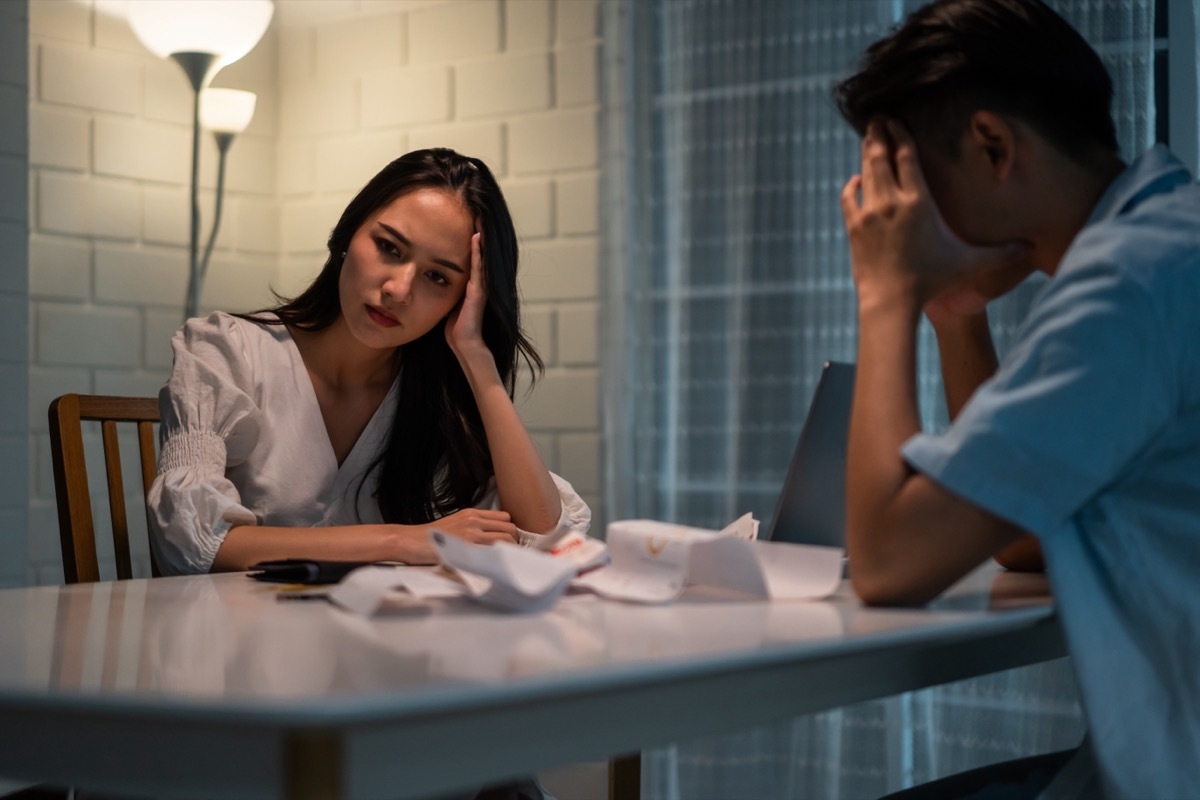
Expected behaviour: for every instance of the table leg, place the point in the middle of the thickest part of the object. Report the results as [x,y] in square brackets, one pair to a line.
[313,765]
[625,777]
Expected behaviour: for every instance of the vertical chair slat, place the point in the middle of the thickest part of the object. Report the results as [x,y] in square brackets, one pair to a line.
[75,527]
[116,500]
[149,469]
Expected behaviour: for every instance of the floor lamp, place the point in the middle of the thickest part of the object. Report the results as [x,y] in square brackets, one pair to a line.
[201,36]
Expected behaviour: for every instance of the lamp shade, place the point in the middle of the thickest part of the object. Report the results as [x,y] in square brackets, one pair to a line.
[227,29]
[226,110]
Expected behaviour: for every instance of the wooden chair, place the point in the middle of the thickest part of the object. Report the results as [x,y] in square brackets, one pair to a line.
[75,521]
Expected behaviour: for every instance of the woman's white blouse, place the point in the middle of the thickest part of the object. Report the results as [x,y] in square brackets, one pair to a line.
[243,442]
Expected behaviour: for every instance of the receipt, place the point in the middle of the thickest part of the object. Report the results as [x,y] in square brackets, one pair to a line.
[654,562]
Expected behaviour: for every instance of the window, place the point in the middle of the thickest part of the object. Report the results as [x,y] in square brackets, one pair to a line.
[729,281]
[728,285]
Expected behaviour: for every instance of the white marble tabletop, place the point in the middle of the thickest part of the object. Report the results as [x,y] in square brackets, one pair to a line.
[211,686]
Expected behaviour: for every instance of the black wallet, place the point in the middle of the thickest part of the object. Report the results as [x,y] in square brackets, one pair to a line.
[304,570]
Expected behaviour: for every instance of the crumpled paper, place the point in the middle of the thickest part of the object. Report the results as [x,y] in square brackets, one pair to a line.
[643,561]
[654,562]
[502,575]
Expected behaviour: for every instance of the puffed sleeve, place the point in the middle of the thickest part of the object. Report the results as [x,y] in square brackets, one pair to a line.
[575,514]
[209,421]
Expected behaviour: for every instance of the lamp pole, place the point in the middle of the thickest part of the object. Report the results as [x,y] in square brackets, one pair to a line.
[223,139]
[199,69]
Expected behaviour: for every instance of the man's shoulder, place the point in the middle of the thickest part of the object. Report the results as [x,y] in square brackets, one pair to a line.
[1156,243]
[1150,213]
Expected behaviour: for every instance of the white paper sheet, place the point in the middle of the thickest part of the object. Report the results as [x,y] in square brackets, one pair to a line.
[584,551]
[653,562]
[502,575]
[506,575]
[365,589]
[644,561]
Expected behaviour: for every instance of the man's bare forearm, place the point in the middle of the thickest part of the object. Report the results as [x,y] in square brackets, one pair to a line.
[967,355]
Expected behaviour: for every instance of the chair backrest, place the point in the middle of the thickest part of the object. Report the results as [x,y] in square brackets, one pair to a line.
[75,525]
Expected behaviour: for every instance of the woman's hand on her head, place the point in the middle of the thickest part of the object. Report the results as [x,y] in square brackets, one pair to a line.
[479,526]
[464,327]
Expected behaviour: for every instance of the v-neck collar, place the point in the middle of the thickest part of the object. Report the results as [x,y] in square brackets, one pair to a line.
[358,459]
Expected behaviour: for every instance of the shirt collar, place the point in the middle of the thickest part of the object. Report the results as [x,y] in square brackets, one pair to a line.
[1157,171]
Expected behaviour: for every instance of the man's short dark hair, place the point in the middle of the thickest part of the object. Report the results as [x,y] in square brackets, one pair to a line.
[1016,57]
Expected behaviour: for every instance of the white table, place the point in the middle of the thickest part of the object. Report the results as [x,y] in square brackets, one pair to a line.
[210,687]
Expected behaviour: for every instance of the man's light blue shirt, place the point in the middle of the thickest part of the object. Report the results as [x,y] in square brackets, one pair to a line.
[1088,437]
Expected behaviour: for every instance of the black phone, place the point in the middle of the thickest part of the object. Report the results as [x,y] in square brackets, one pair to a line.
[306,570]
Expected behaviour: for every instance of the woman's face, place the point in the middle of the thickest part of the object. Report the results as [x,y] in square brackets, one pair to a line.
[406,268]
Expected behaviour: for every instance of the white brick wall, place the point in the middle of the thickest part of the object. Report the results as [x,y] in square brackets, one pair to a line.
[344,86]
[109,165]
[577,21]
[139,276]
[503,85]
[361,46]
[134,148]
[576,205]
[59,138]
[88,78]
[555,142]
[528,25]
[344,164]
[77,335]
[559,269]
[531,203]
[483,140]
[76,204]
[407,96]
[450,30]
[165,215]
[510,81]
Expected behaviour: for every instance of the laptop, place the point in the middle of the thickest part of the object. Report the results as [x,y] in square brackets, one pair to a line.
[812,505]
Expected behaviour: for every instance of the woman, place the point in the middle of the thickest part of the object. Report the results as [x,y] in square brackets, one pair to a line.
[345,422]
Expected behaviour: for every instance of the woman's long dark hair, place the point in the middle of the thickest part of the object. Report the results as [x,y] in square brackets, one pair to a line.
[436,459]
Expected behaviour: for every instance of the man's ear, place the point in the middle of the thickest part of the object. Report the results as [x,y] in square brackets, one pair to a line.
[994,137]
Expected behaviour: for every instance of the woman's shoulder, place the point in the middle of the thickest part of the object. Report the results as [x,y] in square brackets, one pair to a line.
[221,326]
[223,338]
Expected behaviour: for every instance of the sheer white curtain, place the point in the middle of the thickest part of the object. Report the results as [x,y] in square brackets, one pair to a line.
[727,284]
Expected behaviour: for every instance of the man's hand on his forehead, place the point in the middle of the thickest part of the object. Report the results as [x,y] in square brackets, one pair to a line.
[901,247]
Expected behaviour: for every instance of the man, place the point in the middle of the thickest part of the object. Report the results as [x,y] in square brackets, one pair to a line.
[988,152]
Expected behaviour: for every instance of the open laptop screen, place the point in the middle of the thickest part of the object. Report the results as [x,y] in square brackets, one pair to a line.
[812,504]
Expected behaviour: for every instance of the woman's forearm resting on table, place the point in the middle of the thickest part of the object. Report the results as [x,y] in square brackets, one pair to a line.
[246,545]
